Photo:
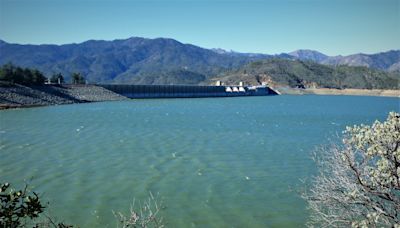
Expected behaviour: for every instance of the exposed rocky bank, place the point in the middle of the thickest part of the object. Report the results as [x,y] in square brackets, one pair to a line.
[327,91]
[23,96]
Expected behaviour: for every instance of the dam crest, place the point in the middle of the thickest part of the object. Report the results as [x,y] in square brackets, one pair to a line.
[187,91]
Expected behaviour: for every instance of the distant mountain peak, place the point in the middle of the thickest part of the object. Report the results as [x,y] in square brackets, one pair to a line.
[242,54]
[388,60]
[307,54]
[221,51]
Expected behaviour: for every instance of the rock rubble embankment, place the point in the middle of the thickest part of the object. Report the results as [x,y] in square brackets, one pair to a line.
[24,96]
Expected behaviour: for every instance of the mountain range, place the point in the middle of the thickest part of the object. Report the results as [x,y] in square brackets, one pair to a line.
[162,61]
[388,61]
[133,60]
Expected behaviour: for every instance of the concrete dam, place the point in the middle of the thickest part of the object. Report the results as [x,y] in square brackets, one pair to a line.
[187,91]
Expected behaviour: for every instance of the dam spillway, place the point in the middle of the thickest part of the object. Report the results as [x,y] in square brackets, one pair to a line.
[187,91]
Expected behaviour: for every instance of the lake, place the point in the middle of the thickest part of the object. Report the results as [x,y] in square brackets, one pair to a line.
[215,162]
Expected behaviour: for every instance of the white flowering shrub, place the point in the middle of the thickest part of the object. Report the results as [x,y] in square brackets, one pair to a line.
[358,182]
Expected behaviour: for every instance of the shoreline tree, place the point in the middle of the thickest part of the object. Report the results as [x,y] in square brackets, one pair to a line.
[77,78]
[358,182]
[18,75]
[57,78]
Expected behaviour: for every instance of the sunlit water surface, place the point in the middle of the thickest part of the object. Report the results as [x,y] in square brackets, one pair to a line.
[226,162]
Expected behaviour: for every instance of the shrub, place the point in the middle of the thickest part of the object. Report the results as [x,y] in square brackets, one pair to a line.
[22,208]
[145,215]
[358,182]
[17,206]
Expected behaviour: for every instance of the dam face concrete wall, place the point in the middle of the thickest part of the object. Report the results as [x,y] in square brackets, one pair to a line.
[187,91]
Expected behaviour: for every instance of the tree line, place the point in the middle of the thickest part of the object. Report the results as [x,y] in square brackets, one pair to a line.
[29,76]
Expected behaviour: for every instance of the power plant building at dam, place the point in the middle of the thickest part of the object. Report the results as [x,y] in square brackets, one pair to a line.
[188,91]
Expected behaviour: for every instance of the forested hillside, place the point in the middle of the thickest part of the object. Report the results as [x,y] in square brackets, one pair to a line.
[302,74]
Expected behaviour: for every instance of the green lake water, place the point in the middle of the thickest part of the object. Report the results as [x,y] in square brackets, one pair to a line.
[215,162]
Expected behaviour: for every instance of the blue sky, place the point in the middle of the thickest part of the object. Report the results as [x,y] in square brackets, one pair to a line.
[331,26]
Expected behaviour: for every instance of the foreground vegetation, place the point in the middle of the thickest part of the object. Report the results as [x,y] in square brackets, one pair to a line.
[24,208]
[359,182]
[19,208]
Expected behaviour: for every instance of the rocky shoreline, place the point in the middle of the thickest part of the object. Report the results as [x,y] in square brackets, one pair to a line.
[19,96]
[328,91]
